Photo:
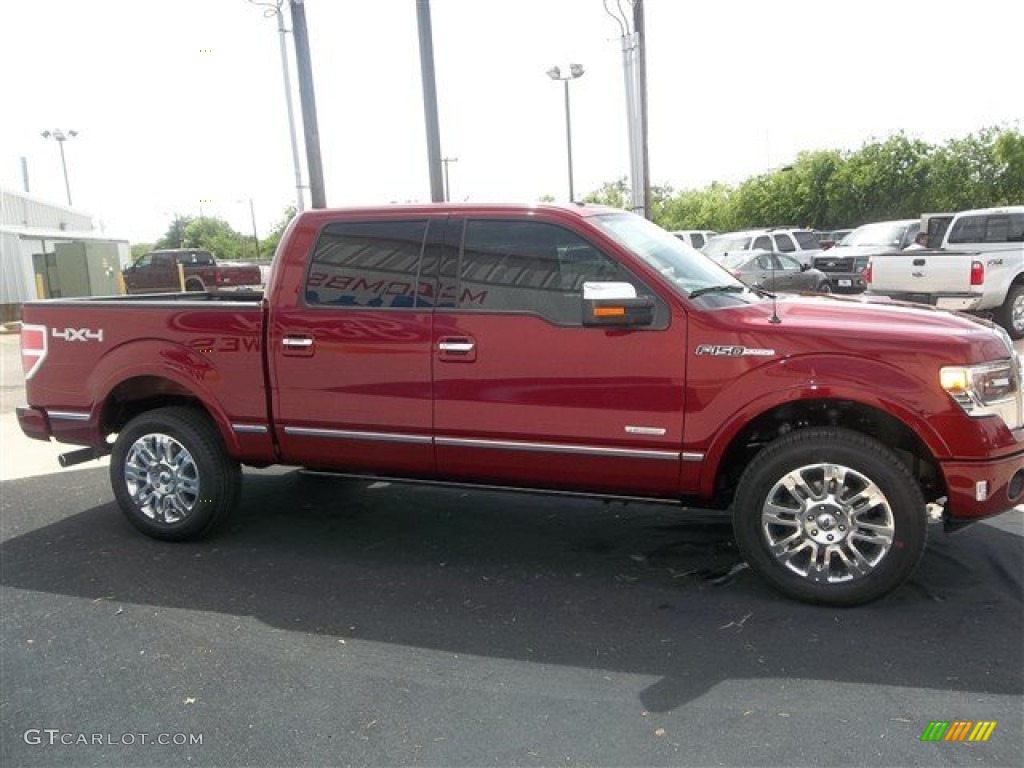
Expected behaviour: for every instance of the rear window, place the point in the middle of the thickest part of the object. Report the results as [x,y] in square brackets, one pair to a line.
[808,240]
[988,228]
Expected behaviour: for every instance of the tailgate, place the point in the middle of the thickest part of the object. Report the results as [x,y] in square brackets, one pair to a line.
[927,272]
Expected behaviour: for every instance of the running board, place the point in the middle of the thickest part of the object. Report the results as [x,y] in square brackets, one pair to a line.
[490,487]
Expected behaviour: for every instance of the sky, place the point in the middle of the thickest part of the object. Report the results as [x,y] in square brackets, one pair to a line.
[179,106]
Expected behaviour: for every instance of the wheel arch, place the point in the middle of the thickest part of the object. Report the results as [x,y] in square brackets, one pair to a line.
[745,436]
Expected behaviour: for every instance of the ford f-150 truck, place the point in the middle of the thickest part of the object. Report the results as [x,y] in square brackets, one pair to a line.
[574,349]
[979,268]
[193,269]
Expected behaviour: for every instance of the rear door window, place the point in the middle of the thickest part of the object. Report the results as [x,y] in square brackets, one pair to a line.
[968,229]
[367,264]
[785,243]
[808,240]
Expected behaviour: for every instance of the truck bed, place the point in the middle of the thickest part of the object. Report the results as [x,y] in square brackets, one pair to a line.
[207,344]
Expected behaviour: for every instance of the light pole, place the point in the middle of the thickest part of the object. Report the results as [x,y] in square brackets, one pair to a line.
[447,186]
[60,137]
[255,236]
[274,9]
[575,71]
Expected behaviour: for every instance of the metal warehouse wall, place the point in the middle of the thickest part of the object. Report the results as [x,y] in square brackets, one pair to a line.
[20,210]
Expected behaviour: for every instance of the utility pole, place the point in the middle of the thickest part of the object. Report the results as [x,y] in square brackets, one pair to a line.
[635,79]
[430,100]
[317,195]
[641,50]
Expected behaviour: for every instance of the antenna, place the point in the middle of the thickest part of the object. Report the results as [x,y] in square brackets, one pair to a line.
[775,319]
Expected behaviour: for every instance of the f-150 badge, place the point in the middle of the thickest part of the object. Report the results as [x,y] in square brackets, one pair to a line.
[718,350]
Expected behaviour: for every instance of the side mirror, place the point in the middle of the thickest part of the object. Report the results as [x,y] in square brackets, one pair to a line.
[616,305]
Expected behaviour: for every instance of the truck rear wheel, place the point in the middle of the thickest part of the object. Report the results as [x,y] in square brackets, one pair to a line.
[194,285]
[1011,314]
[828,515]
[171,475]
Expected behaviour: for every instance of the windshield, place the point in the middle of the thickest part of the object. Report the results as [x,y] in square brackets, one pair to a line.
[885,233]
[716,246]
[683,267]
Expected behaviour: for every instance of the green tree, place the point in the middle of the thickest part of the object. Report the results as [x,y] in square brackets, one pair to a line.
[140,249]
[268,246]
[174,237]
[214,234]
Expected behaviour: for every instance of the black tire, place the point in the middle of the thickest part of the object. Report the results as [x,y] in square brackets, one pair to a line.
[172,476]
[813,551]
[194,285]
[824,287]
[1011,314]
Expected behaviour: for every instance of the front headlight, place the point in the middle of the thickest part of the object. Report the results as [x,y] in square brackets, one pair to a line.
[990,389]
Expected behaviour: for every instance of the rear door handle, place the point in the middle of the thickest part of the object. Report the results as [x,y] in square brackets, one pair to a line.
[297,346]
[919,262]
[457,349]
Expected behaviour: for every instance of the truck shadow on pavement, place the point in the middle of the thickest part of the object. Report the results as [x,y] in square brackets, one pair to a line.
[640,589]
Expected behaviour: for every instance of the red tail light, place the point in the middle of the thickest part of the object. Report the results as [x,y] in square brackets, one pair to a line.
[33,348]
[977,273]
[867,273]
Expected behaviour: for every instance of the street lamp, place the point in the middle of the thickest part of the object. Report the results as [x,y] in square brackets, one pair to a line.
[447,186]
[575,71]
[60,137]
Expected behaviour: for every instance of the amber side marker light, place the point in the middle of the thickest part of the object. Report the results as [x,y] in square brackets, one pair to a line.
[609,312]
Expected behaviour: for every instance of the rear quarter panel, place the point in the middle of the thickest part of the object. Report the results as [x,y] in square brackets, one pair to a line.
[211,350]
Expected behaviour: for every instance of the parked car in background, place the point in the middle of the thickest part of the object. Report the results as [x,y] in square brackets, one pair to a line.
[828,239]
[846,261]
[695,238]
[775,272]
[801,244]
[157,272]
[979,268]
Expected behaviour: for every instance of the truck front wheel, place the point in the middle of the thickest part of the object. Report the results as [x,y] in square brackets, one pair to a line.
[828,515]
[171,475]
[1011,314]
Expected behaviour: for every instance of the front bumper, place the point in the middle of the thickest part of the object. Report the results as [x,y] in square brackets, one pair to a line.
[846,282]
[979,489]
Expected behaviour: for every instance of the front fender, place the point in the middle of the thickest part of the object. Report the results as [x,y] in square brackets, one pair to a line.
[730,404]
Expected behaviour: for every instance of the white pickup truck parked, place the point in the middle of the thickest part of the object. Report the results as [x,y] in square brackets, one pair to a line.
[978,268]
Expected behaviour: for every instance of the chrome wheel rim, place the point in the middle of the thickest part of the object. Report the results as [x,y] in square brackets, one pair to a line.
[1017,313]
[162,478]
[827,523]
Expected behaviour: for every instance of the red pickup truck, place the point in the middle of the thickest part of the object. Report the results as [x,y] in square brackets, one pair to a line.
[193,269]
[574,349]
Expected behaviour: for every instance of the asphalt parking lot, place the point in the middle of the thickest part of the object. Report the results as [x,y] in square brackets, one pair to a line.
[358,623]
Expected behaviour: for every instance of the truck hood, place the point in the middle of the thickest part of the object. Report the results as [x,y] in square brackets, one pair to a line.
[870,324]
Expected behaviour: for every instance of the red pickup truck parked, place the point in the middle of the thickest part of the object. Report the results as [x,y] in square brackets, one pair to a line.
[575,349]
[158,272]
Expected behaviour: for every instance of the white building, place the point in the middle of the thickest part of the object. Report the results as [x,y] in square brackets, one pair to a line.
[53,251]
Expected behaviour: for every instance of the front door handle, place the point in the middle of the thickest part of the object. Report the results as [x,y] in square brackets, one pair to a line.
[457,349]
